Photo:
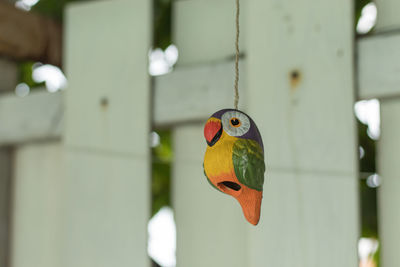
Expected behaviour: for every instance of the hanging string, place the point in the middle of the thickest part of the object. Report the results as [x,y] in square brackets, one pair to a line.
[236,100]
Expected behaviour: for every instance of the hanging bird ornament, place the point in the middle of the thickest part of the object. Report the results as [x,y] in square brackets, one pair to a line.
[234,159]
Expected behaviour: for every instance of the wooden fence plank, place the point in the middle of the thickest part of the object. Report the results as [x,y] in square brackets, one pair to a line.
[388,194]
[37,213]
[382,58]
[300,93]
[196,92]
[209,35]
[5,204]
[378,66]
[211,230]
[388,15]
[109,90]
[38,116]
[107,189]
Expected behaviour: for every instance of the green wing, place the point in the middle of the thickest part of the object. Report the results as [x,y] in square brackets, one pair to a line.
[248,162]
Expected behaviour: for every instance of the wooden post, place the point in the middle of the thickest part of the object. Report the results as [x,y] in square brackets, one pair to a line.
[5,204]
[211,230]
[389,169]
[106,199]
[300,93]
[388,18]
[37,185]
[37,117]
[204,31]
[389,145]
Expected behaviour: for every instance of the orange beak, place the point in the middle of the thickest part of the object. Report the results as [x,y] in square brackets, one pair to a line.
[249,199]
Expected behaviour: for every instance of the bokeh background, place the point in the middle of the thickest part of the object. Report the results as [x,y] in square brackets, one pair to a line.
[40,46]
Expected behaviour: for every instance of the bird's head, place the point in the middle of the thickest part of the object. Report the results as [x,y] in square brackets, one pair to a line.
[233,123]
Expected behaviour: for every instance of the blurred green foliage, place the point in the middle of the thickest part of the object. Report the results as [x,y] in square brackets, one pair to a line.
[25,70]
[161,172]
[367,165]
[368,195]
[377,256]
[162,19]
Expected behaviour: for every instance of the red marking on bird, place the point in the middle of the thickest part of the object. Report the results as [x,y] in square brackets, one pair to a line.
[213,126]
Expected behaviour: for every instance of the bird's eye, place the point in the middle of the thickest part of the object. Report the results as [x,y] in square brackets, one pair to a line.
[235,123]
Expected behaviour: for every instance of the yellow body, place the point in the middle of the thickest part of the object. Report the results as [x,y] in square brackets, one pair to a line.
[218,163]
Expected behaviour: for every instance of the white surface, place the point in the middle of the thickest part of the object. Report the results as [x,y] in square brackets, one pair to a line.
[106,208]
[37,217]
[52,76]
[307,219]
[25,4]
[204,31]
[388,15]
[388,194]
[379,77]
[6,158]
[194,93]
[374,180]
[379,66]
[187,94]
[310,127]
[22,89]
[368,18]
[211,229]
[368,112]
[379,71]
[162,238]
[310,206]
[161,62]
[107,193]
[37,116]
[107,44]
[367,247]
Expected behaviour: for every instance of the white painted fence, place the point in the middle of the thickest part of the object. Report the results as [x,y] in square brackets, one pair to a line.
[38,184]
[309,212]
[382,55]
[297,83]
[85,200]
[300,92]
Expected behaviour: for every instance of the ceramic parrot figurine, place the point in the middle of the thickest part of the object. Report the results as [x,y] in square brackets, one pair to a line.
[234,159]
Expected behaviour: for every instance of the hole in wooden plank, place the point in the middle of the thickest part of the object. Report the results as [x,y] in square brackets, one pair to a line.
[295,77]
[104,102]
